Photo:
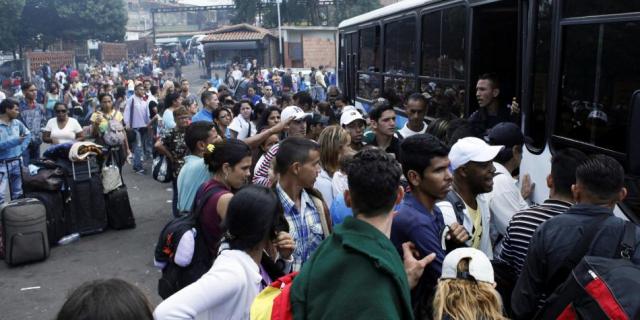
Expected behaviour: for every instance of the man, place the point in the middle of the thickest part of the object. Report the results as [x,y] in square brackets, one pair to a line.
[599,187]
[466,205]
[32,115]
[136,117]
[507,198]
[383,124]
[210,103]
[296,126]
[236,73]
[491,112]
[243,86]
[287,81]
[186,95]
[320,87]
[338,105]
[425,164]
[354,123]
[298,164]
[14,140]
[147,91]
[252,96]
[416,108]
[198,137]
[359,258]
[268,99]
[524,223]
[303,100]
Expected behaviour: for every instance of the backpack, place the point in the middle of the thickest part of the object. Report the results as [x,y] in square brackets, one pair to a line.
[274,302]
[457,204]
[115,134]
[599,287]
[175,277]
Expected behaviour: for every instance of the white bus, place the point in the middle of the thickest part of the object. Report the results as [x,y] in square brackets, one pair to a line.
[573,65]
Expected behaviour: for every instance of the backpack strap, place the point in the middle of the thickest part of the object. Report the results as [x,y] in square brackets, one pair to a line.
[457,204]
[202,201]
[628,244]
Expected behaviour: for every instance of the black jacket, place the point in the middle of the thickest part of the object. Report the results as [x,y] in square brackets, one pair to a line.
[550,248]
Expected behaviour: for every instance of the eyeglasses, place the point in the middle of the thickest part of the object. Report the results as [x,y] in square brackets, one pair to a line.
[61,111]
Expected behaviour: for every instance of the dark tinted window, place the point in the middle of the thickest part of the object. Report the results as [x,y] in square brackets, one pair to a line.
[540,76]
[366,84]
[400,46]
[369,46]
[577,8]
[403,87]
[446,98]
[600,71]
[443,43]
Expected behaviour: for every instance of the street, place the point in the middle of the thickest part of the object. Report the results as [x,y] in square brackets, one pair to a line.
[37,291]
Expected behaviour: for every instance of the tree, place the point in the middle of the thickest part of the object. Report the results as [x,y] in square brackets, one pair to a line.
[91,19]
[9,19]
[245,12]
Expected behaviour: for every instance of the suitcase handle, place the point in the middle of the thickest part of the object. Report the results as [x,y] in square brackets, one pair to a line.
[6,166]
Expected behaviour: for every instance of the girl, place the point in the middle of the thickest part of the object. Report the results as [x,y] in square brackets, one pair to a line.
[334,144]
[241,126]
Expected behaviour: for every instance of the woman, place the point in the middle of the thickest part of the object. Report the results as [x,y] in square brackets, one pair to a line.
[50,99]
[241,126]
[100,124]
[466,289]
[270,117]
[62,128]
[227,290]
[173,146]
[222,118]
[334,143]
[172,102]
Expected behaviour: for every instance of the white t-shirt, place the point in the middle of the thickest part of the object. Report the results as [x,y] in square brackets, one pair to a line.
[241,126]
[406,132]
[66,134]
[2,96]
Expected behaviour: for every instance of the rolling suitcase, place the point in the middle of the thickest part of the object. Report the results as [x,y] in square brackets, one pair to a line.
[119,213]
[56,214]
[87,206]
[24,229]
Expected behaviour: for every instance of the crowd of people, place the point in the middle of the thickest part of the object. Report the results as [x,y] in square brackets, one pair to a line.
[424,221]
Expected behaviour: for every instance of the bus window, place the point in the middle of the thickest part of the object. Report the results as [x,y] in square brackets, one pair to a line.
[366,84]
[443,43]
[341,65]
[599,74]
[369,45]
[446,98]
[400,47]
[402,86]
[536,119]
[578,8]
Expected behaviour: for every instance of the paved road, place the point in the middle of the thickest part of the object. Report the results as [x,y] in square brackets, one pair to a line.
[125,254]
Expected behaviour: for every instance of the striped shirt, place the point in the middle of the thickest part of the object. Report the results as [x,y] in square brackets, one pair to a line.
[261,171]
[522,227]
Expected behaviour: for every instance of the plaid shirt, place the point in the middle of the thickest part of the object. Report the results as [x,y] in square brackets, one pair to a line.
[305,228]
[34,119]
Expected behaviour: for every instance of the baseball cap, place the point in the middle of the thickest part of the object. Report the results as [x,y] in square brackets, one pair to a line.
[507,134]
[471,149]
[293,111]
[480,267]
[349,114]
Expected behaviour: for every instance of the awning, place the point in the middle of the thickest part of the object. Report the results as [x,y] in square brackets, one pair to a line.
[231,45]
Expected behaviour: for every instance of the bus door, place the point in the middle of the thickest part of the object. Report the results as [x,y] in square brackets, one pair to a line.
[495,48]
[351,47]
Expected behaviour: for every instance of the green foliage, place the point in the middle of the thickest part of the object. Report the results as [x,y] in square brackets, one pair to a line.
[9,18]
[246,11]
[309,12]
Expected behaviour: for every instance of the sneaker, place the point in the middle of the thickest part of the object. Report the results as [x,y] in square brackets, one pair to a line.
[141,172]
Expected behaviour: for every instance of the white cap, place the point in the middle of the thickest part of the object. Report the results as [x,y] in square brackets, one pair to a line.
[471,149]
[213,89]
[349,114]
[479,265]
[293,111]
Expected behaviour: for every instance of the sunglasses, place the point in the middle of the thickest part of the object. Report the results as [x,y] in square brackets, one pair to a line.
[61,111]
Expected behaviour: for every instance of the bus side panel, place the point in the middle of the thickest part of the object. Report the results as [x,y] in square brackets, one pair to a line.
[538,166]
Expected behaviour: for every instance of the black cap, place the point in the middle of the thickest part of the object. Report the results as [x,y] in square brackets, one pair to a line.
[507,134]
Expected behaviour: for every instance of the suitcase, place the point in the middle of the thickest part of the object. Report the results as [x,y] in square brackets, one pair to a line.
[53,201]
[87,206]
[119,213]
[24,231]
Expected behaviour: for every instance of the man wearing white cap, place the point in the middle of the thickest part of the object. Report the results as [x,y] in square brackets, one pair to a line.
[297,128]
[472,165]
[352,121]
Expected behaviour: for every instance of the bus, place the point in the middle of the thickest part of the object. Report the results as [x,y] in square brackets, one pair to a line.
[572,65]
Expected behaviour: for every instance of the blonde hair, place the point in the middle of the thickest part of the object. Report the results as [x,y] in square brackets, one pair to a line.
[331,141]
[462,299]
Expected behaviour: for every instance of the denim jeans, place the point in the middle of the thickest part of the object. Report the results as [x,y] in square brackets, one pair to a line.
[142,147]
[13,179]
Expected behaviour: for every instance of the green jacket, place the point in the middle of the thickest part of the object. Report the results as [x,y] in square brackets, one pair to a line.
[356,273]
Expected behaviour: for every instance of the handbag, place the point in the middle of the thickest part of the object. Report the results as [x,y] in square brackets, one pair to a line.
[111,179]
[131,133]
[161,169]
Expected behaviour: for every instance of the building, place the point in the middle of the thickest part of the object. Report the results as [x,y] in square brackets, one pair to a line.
[306,47]
[238,43]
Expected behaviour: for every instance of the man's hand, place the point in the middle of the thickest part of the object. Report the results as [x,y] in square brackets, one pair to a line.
[285,244]
[458,233]
[515,107]
[281,125]
[412,266]
[527,186]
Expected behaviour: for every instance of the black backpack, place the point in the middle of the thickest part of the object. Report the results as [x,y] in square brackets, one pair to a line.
[175,277]
[599,287]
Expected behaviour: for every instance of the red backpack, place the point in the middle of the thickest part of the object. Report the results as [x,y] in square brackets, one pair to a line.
[274,302]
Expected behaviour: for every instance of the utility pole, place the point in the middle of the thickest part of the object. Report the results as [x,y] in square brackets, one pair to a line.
[280,58]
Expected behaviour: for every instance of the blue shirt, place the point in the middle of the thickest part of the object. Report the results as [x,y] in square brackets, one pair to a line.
[193,173]
[203,115]
[33,118]
[339,211]
[425,229]
[10,145]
